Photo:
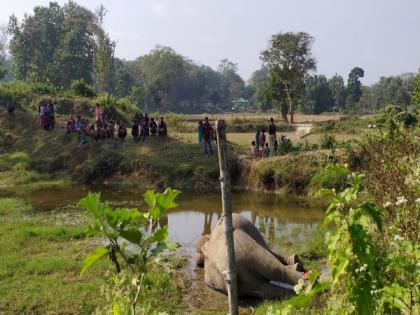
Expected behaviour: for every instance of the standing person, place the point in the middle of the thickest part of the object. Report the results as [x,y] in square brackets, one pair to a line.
[98,115]
[41,111]
[253,151]
[207,133]
[200,131]
[272,135]
[262,142]
[153,127]
[122,131]
[266,151]
[135,130]
[10,107]
[47,113]
[257,142]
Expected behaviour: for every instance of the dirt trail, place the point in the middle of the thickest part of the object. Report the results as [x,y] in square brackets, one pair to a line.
[303,130]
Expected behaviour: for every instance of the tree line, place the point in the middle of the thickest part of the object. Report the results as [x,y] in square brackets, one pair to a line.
[65,45]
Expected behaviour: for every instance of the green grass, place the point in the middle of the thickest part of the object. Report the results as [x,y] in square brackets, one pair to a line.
[40,266]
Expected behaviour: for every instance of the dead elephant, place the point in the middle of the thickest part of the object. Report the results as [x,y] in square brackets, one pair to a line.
[258,268]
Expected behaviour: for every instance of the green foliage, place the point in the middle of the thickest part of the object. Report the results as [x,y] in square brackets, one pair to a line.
[331,177]
[81,88]
[134,237]
[21,93]
[369,275]
[338,91]
[328,141]
[415,95]
[288,59]
[317,96]
[354,90]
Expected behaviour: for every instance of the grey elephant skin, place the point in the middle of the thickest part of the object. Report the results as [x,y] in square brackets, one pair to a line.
[257,266]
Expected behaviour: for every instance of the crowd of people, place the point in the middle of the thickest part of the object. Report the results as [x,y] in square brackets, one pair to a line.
[102,129]
[144,126]
[260,147]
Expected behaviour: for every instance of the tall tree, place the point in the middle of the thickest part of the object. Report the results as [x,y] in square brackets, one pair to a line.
[354,89]
[159,72]
[231,85]
[34,43]
[289,58]
[55,44]
[338,91]
[317,96]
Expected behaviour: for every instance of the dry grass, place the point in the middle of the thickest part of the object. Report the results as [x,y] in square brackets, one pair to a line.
[242,141]
[299,118]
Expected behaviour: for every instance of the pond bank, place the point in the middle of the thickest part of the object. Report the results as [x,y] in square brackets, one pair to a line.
[34,157]
[50,219]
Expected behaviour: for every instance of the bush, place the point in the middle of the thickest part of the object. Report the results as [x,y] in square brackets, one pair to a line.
[331,177]
[328,141]
[81,88]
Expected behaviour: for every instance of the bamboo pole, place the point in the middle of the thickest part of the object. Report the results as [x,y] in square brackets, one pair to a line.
[231,276]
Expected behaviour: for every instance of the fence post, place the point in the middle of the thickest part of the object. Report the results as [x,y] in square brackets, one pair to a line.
[231,276]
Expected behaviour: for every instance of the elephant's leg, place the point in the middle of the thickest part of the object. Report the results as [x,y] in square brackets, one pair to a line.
[269,267]
[293,260]
[270,291]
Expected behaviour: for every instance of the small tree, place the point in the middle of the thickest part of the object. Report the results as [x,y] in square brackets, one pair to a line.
[130,228]
[289,58]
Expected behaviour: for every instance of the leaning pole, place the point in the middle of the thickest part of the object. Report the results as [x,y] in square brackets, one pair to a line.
[231,277]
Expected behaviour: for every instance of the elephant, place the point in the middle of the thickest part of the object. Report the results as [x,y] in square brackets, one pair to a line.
[258,268]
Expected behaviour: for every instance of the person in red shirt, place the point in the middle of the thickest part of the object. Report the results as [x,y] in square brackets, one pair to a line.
[207,133]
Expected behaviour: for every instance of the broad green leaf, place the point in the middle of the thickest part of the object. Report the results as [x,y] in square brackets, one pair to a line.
[339,267]
[92,203]
[94,257]
[93,229]
[159,235]
[160,202]
[150,197]
[133,235]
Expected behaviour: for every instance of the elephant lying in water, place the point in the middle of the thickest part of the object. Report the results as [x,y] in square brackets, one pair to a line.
[257,266]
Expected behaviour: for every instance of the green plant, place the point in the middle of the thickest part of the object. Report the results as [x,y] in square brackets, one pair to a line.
[81,88]
[373,271]
[331,177]
[328,141]
[135,240]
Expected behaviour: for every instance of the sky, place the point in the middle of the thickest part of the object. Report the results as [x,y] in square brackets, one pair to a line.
[381,36]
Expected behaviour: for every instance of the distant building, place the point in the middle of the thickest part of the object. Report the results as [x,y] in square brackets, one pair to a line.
[240,104]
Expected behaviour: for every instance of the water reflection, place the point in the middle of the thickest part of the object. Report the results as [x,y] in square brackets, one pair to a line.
[196,214]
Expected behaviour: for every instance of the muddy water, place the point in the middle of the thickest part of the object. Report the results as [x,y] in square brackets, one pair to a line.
[281,221]
[197,213]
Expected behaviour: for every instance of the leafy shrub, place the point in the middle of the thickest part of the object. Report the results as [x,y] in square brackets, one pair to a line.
[328,141]
[135,242]
[81,88]
[106,100]
[331,177]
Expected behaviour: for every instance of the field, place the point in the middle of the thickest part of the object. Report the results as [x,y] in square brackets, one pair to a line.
[43,252]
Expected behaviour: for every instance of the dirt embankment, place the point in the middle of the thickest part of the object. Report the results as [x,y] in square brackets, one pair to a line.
[157,162]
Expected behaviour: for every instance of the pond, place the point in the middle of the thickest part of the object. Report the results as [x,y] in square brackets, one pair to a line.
[276,217]
[284,223]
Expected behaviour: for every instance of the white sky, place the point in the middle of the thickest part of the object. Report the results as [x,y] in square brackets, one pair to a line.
[381,36]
